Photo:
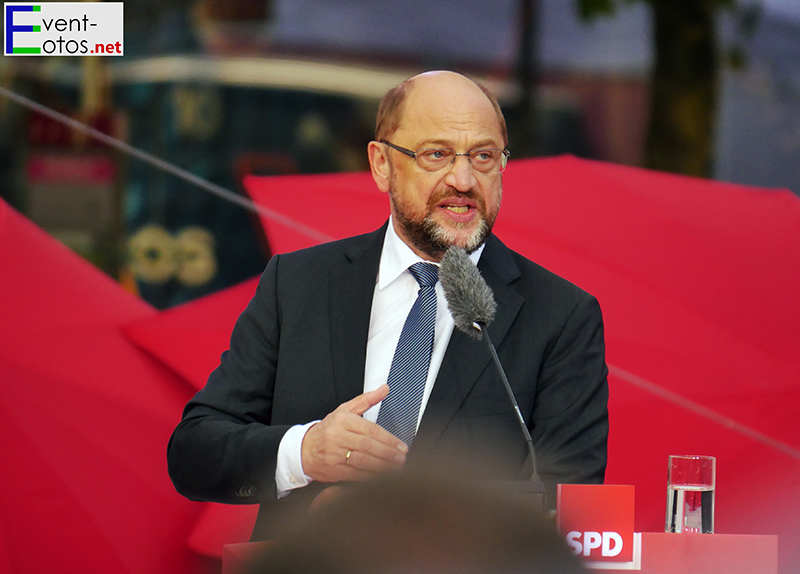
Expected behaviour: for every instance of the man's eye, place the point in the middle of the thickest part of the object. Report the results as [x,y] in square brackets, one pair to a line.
[483,156]
[434,155]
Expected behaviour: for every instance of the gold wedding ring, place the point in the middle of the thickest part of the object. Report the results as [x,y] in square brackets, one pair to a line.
[347,458]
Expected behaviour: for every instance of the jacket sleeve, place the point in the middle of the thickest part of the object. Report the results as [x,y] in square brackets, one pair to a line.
[225,447]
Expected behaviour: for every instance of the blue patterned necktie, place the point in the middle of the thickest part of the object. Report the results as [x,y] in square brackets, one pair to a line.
[399,411]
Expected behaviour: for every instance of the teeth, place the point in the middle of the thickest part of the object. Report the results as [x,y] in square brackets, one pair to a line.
[457,208]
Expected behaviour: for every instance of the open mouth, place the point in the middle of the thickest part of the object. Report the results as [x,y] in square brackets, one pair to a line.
[457,208]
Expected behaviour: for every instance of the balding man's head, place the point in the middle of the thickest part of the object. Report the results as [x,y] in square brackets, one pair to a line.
[391,108]
[440,154]
[406,524]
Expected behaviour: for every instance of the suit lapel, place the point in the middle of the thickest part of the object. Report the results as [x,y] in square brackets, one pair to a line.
[466,358]
[352,287]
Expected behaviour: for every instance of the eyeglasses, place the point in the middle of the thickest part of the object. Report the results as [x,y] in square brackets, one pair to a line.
[437,159]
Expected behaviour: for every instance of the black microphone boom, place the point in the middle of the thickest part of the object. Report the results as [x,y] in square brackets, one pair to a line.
[472,305]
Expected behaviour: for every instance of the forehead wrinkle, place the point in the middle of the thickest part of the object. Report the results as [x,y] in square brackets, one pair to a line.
[448,132]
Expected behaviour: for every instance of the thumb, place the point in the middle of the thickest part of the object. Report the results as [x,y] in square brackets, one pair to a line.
[364,402]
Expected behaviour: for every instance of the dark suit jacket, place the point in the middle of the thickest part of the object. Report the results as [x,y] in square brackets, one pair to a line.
[298,351]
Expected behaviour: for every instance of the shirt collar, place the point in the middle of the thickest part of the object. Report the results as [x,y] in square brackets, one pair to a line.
[397,257]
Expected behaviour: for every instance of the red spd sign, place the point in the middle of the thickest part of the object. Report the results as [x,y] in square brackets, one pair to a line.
[597,521]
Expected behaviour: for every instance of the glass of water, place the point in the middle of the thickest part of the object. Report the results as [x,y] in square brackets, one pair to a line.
[690,494]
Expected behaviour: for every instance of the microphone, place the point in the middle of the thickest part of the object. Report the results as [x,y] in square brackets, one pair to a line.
[472,305]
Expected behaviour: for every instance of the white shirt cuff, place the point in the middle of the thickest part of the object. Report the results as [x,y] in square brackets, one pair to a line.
[289,469]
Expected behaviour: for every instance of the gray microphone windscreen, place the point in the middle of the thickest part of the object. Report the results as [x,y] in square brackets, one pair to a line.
[469,297]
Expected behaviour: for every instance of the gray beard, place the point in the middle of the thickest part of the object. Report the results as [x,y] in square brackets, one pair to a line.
[442,237]
[433,239]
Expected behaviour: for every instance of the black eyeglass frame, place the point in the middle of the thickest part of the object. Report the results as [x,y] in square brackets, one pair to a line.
[413,154]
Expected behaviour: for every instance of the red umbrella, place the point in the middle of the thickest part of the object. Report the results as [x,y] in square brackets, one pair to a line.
[349,203]
[190,338]
[84,421]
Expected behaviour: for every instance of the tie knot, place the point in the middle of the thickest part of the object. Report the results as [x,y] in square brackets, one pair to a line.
[426,274]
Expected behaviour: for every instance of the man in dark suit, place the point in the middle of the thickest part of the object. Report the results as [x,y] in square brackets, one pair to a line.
[295,403]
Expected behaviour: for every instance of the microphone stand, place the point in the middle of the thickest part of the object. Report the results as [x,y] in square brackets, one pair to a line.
[482,328]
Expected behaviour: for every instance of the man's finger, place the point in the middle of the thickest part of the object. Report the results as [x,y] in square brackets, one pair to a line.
[362,403]
[369,462]
[357,433]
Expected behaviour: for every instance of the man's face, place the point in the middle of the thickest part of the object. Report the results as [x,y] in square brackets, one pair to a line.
[458,205]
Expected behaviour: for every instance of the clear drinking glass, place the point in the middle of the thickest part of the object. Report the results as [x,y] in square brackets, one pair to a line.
[691,481]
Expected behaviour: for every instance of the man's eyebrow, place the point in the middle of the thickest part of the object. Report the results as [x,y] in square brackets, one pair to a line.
[487,143]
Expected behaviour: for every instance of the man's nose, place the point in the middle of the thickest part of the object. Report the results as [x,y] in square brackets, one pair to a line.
[461,176]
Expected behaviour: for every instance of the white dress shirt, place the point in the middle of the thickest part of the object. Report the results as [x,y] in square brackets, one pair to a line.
[395,293]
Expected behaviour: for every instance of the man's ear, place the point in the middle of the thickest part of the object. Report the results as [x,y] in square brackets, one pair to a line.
[379,164]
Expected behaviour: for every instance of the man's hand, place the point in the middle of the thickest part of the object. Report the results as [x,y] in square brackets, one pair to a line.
[372,449]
